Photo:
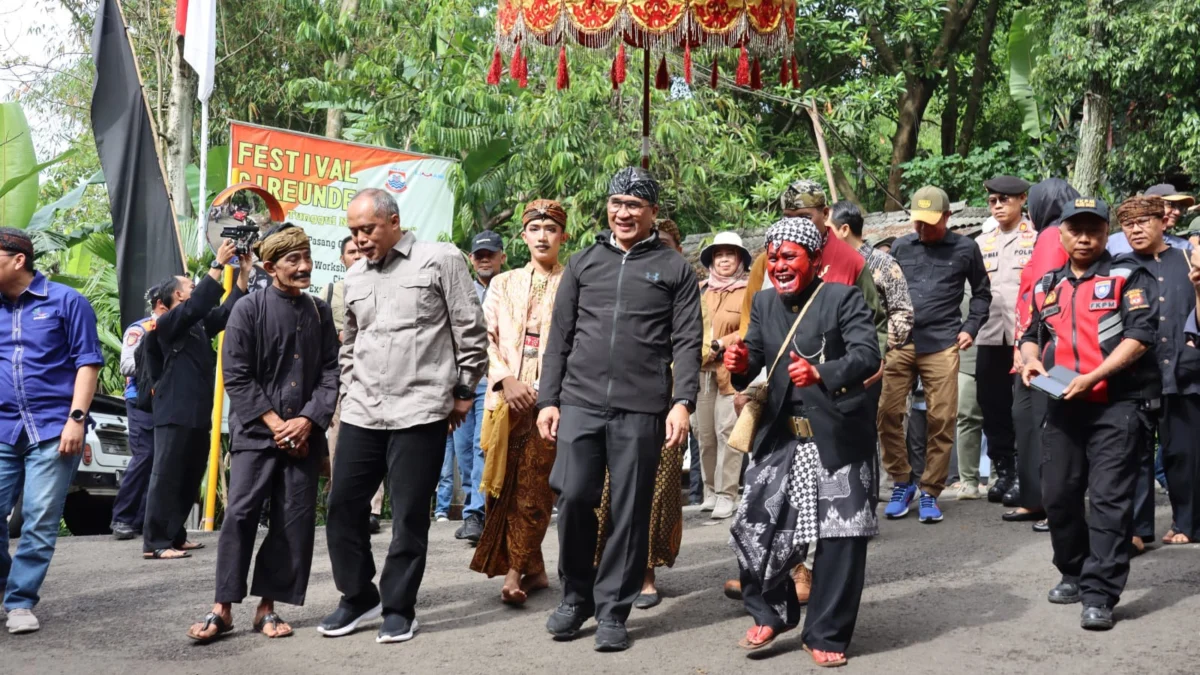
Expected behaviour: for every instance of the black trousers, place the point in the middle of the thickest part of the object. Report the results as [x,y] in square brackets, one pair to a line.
[629,445]
[994,387]
[1029,415]
[839,574]
[1180,436]
[412,461]
[284,560]
[1143,488]
[1093,449]
[915,435]
[180,459]
[130,504]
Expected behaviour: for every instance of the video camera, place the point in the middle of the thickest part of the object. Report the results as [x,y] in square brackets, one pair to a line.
[243,237]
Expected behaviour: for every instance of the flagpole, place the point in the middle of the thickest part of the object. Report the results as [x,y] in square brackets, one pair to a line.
[202,217]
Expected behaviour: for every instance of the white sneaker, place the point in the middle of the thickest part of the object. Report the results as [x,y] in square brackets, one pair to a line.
[709,503]
[443,518]
[723,509]
[965,491]
[22,621]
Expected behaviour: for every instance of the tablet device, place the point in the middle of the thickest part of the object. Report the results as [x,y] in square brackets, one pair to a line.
[1054,382]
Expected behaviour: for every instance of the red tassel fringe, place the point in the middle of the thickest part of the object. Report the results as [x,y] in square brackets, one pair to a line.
[514,66]
[662,79]
[755,75]
[493,76]
[795,74]
[523,72]
[785,69]
[618,67]
[687,63]
[564,77]
[742,77]
[715,69]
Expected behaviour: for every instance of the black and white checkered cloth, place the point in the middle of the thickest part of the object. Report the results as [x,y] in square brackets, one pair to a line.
[797,230]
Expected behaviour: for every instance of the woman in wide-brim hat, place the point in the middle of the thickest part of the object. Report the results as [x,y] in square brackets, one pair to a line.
[728,261]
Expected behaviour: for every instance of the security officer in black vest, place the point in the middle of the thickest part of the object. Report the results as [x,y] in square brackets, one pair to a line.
[1097,318]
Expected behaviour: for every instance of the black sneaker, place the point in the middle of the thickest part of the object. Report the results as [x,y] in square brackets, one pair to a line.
[472,529]
[611,636]
[123,531]
[396,628]
[1096,618]
[344,621]
[373,524]
[565,622]
[1065,593]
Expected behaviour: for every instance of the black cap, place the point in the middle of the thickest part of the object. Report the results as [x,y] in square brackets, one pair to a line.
[1092,205]
[487,241]
[1006,185]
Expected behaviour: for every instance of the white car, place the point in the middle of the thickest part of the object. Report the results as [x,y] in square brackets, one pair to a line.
[105,457]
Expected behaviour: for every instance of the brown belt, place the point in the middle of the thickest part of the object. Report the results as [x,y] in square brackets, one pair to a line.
[800,427]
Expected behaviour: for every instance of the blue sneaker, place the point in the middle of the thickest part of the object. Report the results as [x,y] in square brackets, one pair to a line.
[929,511]
[902,496]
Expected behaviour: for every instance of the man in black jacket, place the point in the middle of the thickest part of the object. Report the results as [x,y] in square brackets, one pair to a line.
[183,400]
[628,308]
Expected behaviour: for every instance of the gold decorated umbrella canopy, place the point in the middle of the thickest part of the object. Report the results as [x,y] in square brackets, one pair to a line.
[761,30]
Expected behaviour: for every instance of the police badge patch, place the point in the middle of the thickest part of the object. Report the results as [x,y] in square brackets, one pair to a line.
[1135,298]
[1103,289]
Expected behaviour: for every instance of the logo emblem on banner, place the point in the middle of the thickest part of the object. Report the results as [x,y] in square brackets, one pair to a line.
[1103,289]
[397,181]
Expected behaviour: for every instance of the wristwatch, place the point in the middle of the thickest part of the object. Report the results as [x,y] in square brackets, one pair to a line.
[691,406]
[715,347]
[464,393]
[216,265]
[78,415]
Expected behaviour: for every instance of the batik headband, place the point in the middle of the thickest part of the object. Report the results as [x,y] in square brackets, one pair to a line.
[800,231]
[541,209]
[15,241]
[282,241]
[1139,207]
[636,182]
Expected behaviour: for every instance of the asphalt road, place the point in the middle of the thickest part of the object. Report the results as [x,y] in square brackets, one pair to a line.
[963,596]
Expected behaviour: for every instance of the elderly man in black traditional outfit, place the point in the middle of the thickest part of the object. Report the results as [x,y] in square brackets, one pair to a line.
[281,371]
[811,479]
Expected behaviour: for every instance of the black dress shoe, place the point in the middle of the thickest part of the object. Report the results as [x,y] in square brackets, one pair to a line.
[373,525]
[611,636]
[1065,593]
[1096,618]
[1022,517]
[565,622]
[1001,482]
[123,531]
[472,530]
[647,600]
[1013,496]
[1042,525]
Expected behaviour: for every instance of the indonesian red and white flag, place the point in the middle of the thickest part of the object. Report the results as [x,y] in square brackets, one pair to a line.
[196,21]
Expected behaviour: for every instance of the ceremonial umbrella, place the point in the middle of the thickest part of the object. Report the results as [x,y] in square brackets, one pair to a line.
[759,29]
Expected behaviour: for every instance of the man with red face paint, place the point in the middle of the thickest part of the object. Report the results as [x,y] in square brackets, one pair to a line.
[811,479]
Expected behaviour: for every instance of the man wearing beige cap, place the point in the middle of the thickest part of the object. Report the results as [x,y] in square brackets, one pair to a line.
[936,264]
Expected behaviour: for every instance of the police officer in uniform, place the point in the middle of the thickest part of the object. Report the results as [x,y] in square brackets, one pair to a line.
[1006,250]
[1098,318]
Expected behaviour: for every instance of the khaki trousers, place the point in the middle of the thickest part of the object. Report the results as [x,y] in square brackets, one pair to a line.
[720,465]
[970,430]
[939,372]
[332,435]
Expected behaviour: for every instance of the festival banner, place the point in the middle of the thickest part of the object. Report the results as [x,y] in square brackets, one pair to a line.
[314,178]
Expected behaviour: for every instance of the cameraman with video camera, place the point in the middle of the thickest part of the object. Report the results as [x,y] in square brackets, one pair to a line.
[182,399]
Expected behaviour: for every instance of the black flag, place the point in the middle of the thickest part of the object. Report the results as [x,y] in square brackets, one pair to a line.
[148,247]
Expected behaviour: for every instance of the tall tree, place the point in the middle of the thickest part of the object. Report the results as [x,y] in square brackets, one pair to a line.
[178,130]
[979,75]
[904,52]
[335,117]
[1097,109]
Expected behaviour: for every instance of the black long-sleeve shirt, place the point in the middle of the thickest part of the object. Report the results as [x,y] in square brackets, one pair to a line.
[281,354]
[621,319]
[183,393]
[936,273]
